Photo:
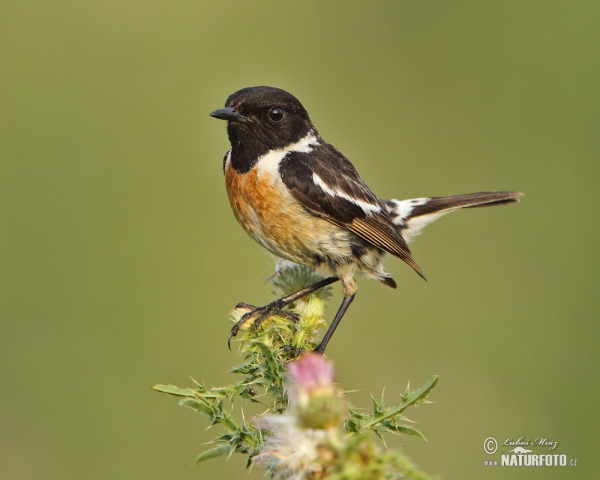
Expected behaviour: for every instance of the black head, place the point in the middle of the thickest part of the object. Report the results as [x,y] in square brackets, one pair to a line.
[260,119]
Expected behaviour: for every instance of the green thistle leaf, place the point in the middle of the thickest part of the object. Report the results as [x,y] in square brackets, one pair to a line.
[175,391]
[214,452]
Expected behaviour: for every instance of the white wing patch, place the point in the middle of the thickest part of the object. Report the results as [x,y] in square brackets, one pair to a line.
[366,206]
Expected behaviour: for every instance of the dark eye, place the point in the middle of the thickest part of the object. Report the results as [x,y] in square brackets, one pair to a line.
[276,114]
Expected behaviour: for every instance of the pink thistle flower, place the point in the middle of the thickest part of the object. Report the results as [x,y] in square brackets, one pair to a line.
[308,376]
[303,440]
[313,396]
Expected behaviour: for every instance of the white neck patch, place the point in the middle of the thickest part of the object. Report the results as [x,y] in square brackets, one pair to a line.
[269,162]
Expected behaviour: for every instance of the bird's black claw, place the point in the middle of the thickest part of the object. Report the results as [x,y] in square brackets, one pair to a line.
[260,314]
[232,334]
[246,305]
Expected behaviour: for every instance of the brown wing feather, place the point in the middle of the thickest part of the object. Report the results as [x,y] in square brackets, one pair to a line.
[380,232]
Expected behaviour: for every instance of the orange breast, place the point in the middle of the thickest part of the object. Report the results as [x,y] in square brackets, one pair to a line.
[274,218]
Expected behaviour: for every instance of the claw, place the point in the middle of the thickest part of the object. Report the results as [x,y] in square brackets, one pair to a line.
[236,328]
[261,314]
[258,321]
[246,305]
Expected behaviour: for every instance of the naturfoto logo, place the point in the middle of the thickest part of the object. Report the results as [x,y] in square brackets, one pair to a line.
[522,453]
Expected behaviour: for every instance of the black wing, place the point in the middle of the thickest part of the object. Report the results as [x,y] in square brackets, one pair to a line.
[328,185]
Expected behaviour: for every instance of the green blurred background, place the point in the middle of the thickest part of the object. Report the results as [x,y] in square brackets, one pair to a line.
[120,256]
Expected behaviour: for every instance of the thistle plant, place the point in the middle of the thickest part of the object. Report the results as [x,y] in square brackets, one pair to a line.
[307,429]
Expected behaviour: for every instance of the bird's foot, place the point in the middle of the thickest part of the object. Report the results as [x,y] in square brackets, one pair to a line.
[260,314]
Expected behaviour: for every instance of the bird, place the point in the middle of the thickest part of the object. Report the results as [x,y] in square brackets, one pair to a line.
[304,201]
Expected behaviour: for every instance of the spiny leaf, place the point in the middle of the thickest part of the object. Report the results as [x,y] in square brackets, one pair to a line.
[173,390]
[379,435]
[214,452]
[199,405]
[414,398]
[227,420]
[397,429]
[377,406]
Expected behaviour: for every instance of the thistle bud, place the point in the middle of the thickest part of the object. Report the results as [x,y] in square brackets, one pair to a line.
[312,394]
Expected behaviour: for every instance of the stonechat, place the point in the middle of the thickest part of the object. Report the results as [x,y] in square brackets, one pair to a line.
[302,200]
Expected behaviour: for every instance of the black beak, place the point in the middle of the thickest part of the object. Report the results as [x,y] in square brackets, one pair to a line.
[230,114]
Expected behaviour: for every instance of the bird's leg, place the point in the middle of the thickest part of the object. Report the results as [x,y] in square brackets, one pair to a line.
[275,308]
[349,294]
[338,316]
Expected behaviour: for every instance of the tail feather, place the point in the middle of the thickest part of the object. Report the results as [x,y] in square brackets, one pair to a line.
[411,216]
